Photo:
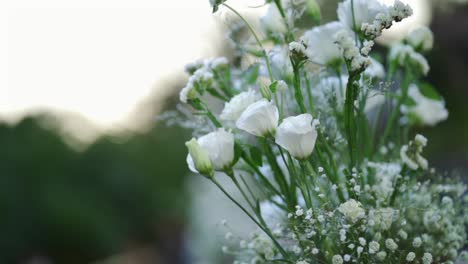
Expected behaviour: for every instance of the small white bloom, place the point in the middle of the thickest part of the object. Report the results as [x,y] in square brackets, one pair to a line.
[297,135]
[373,247]
[259,119]
[381,255]
[421,38]
[362,241]
[219,146]
[404,54]
[347,257]
[315,251]
[337,259]
[320,43]
[234,108]
[402,233]
[359,250]
[352,210]
[410,257]
[427,258]
[417,242]
[391,245]
[427,111]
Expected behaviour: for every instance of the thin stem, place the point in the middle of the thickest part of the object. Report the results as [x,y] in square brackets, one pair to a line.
[350,118]
[263,228]
[394,115]
[297,88]
[257,39]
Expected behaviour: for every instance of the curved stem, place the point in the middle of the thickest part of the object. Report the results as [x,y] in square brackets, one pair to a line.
[263,228]
[257,39]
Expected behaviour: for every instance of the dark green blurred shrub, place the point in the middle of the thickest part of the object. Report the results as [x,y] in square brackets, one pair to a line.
[77,206]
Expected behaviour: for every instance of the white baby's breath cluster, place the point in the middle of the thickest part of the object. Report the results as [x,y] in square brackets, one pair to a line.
[312,130]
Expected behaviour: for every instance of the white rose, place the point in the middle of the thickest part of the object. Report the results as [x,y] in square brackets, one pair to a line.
[421,39]
[320,42]
[234,108]
[352,210]
[297,135]
[219,146]
[259,119]
[365,11]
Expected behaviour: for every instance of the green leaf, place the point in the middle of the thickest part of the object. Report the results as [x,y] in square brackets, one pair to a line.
[274,86]
[256,156]
[429,91]
[252,73]
[237,152]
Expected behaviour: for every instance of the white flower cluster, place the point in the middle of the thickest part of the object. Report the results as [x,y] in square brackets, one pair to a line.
[351,53]
[345,189]
[425,111]
[403,54]
[411,154]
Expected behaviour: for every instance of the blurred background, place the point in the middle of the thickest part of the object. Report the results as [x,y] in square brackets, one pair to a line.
[87,172]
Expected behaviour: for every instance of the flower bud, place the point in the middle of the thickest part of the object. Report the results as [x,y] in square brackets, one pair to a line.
[259,119]
[198,159]
[219,147]
[314,11]
[297,135]
[421,39]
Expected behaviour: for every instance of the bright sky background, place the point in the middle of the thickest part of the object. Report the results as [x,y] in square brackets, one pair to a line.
[99,58]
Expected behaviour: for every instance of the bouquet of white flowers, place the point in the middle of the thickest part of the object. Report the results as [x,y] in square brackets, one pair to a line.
[317,135]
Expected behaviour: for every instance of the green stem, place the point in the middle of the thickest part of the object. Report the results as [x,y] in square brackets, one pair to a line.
[350,118]
[257,39]
[396,110]
[263,228]
[297,88]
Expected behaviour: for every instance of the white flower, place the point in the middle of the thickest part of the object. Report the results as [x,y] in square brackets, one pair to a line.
[427,258]
[352,210]
[259,119]
[427,111]
[272,22]
[375,70]
[365,11]
[350,52]
[347,257]
[198,159]
[234,108]
[381,255]
[320,43]
[410,257]
[219,146]
[391,245]
[382,217]
[297,135]
[417,242]
[421,39]
[373,247]
[337,259]
[403,54]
